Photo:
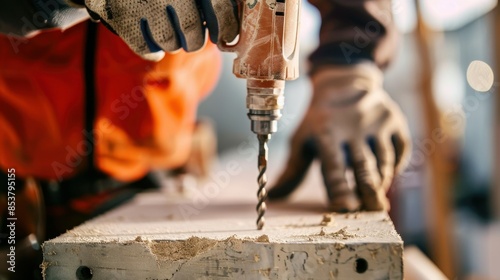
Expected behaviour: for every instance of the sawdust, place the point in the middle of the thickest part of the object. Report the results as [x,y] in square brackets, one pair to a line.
[139,239]
[354,215]
[44,266]
[342,233]
[327,219]
[181,250]
[263,238]
[339,246]
[236,243]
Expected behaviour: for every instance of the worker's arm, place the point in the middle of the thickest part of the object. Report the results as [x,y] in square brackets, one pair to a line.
[26,17]
[351,123]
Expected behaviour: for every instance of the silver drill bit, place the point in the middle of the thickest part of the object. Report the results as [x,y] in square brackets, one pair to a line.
[262,179]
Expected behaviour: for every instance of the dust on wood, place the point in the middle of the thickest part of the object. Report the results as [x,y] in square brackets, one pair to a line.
[139,239]
[192,247]
[263,238]
[44,265]
[342,233]
[327,219]
[180,250]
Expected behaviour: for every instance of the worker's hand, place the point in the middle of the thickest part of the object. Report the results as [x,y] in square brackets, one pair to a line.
[351,123]
[150,27]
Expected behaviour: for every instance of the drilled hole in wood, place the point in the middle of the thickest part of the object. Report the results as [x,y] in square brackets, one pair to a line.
[84,273]
[361,265]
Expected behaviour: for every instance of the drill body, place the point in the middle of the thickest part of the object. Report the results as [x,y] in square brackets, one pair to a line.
[267,55]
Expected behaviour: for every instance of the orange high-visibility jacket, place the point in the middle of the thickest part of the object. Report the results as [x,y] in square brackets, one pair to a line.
[144,112]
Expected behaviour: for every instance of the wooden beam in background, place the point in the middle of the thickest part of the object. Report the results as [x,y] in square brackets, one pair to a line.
[438,194]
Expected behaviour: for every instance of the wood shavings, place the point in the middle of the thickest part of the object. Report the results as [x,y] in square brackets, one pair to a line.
[339,246]
[327,219]
[263,238]
[44,267]
[139,239]
[340,234]
[179,250]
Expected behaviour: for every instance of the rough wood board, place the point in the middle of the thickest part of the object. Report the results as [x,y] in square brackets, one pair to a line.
[212,235]
[291,247]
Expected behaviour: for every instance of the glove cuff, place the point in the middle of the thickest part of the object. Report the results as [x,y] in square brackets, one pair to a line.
[366,73]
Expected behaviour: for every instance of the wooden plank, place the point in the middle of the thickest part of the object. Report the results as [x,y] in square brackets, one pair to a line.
[441,169]
[418,267]
[210,233]
[356,246]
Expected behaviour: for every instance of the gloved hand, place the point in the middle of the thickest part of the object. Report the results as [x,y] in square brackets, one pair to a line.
[351,123]
[150,27]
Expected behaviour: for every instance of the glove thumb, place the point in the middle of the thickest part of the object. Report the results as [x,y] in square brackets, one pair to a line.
[301,157]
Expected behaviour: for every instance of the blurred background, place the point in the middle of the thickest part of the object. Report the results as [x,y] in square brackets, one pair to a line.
[447,202]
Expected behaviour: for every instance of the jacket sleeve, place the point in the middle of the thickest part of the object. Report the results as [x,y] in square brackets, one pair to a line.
[353,31]
[24,17]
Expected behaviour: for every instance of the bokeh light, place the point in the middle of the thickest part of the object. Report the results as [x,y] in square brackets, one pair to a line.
[480,76]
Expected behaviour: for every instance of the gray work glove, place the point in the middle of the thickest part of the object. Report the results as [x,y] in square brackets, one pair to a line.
[150,27]
[351,123]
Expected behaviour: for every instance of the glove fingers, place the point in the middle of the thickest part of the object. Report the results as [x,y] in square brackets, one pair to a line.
[301,157]
[187,25]
[402,146]
[368,179]
[384,152]
[221,19]
[172,28]
[333,168]
[148,48]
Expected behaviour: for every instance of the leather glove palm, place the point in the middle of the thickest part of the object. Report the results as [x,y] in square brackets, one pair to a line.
[153,26]
[351,123]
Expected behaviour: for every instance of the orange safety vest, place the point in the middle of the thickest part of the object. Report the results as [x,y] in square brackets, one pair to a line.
[144,113]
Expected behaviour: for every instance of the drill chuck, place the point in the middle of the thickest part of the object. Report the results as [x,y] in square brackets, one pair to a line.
[264,121]
[265,100]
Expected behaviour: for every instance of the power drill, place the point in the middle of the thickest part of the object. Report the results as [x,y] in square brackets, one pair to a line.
[267,55]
